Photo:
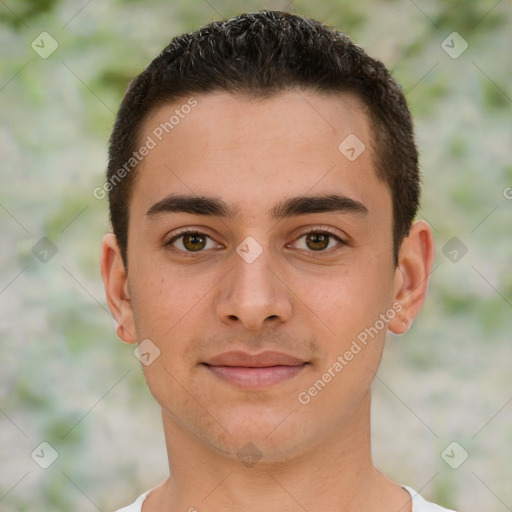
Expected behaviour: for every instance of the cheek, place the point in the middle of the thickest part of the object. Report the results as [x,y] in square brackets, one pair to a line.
[163,300]
[348,299]
[349,307]
[354,306]
[349,311]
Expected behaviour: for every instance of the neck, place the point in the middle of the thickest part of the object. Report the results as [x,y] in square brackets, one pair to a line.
[330,474]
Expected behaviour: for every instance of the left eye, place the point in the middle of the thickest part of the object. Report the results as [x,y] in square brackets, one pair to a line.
[318,240]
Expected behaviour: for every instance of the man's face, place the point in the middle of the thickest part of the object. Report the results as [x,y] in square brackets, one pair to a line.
[256,281]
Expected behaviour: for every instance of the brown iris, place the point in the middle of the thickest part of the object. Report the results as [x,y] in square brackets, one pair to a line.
[317,241]
[194,241]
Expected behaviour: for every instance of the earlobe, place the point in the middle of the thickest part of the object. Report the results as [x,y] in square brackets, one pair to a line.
[412,275]
[121,334]
[115,282]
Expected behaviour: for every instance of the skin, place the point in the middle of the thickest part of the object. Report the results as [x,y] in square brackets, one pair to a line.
[253,153]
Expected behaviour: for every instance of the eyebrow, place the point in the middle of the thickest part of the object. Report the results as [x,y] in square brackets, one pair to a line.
[290,207]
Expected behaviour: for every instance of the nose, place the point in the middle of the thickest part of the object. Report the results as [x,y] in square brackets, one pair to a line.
[254,292]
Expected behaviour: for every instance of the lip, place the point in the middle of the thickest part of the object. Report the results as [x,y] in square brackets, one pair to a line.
[255,371]
[263,359]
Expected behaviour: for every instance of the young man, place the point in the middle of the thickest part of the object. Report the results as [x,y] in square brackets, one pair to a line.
[263,183]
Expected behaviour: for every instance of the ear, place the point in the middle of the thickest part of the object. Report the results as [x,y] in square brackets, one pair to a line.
[412,275]
[115,282]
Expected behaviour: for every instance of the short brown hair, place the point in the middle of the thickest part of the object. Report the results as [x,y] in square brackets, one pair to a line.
[261,54]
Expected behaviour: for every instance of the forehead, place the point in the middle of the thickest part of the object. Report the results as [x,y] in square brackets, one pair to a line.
[253,150]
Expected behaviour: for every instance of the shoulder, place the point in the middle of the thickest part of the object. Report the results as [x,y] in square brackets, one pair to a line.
[419,504]
[136,506]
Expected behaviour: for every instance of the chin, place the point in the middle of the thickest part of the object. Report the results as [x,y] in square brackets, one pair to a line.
[271,436]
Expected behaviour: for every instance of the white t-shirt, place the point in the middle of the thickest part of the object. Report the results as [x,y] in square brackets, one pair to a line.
[418,503]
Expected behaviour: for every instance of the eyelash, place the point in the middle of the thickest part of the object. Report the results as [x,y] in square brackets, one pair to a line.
[315,254]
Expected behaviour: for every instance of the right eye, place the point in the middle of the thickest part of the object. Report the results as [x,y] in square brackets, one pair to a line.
[191,241]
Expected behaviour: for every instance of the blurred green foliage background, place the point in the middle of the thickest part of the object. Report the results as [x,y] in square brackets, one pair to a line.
[67,380]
